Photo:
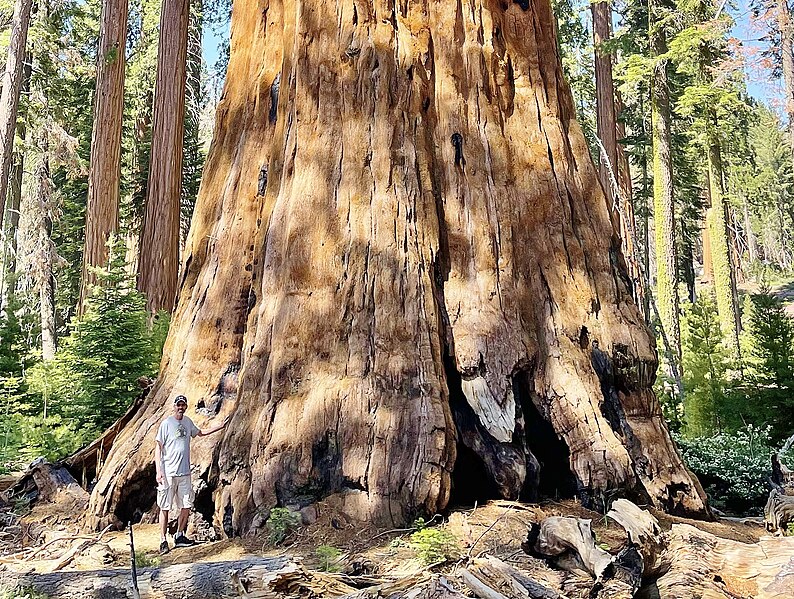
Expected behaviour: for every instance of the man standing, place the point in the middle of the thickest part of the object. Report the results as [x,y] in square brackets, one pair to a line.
[172,461]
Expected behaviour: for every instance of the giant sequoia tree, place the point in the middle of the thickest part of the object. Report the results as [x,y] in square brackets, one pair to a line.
[400,279]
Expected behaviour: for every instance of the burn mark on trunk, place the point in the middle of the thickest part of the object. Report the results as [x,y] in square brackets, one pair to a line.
[457,143]
[262,182]
[274,87]
[227,388]
[228,520]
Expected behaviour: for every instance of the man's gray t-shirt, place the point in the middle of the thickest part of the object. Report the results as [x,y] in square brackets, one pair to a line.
[175,435]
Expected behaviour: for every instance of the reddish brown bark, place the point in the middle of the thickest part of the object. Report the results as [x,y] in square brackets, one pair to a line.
[9,97]
[606,116]
[102,212]
[158,266]
[400,258]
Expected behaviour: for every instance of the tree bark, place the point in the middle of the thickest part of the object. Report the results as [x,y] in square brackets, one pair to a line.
[606,117]
[784,26]
[104,176]
[159,244]
[188,581]
[719,246]
[663,205]
[9,97]
[376,258]
[613,164]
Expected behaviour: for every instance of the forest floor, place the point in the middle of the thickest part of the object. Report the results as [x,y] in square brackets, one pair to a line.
[496,528]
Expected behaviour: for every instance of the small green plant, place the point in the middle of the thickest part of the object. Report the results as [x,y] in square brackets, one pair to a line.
[20,592]
[147,560]
[434,545]
[790,529]
[280,523]
[328,556]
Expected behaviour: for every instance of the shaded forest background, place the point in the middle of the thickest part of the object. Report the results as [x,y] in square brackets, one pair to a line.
[701,177]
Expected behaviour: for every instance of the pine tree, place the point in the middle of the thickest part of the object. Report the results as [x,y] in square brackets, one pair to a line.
[706,368]
[108,349]
[770,332]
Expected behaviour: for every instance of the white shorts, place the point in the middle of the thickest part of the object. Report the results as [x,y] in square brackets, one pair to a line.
[175,493]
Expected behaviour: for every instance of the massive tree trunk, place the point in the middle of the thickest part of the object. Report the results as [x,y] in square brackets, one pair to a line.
[9,97]
[158,265]
[104,176]
[663,205]
[401,256]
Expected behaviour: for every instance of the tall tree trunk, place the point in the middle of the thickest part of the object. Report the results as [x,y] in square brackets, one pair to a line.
[646,234]
[613,165]
[722,264]
[159,257]
[102,212]
[9,97]
[605,98]
[10,225]
[45,252]
[663,205]
[786,30]
[192,162]
[380,278]
[628,223]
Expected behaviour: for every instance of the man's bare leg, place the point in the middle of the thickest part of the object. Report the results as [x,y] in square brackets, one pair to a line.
[181,523]
[163,524]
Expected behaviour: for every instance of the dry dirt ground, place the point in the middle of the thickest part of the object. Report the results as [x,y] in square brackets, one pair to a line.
[497,528]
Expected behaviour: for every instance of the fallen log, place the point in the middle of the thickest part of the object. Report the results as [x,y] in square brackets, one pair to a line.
[699,565]
[48,482]
[778,512]
[253,577]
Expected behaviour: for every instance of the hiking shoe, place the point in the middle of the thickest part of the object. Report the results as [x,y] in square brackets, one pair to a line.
[182,541]
[164,548]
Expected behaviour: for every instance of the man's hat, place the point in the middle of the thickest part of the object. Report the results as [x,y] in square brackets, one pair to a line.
[179,398]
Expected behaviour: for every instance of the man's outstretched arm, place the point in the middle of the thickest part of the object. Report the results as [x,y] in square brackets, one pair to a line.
[214,429]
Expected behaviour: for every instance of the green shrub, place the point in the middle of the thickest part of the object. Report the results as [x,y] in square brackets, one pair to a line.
[146,560]
[733,467]
[434,545]
[20,592]
[328,556]
[790,529]
[280,524]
